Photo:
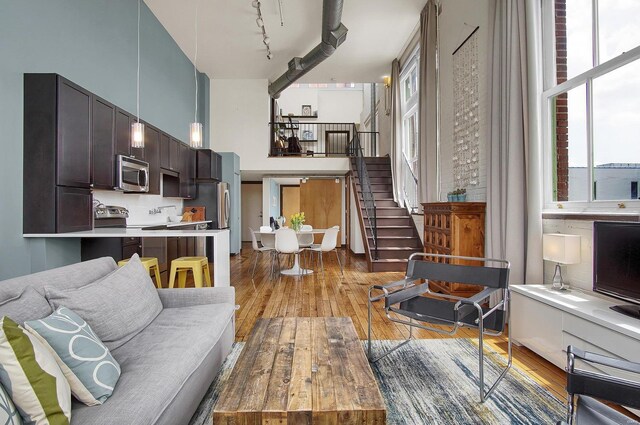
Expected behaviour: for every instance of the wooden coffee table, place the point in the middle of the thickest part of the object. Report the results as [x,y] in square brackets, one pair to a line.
[301,370]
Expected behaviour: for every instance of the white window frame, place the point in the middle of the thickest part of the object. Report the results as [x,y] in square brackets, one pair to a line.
[552,89]
[409,106]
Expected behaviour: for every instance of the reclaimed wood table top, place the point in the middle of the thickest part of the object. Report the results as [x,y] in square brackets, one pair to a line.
[301,370]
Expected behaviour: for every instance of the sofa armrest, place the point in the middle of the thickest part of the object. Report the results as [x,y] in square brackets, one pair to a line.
[186,297]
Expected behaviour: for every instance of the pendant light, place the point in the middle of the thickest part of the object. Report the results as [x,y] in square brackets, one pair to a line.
[195,129]
[137,128]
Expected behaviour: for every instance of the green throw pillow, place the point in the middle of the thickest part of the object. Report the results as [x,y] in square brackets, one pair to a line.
[86,362]
[9,415]
[32,377]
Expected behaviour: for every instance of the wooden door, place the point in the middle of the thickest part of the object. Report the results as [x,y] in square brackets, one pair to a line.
[251,208]
[74,135]
[289,201]
[321,202]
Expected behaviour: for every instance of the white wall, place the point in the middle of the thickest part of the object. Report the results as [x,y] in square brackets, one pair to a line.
[240,124]
[332,104]
[139,205]
[356,242]
[457,21]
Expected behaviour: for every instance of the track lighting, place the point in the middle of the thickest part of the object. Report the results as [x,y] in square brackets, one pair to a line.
[260,23]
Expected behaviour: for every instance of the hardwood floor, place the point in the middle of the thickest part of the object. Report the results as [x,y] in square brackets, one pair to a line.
[338,296]
[331,294]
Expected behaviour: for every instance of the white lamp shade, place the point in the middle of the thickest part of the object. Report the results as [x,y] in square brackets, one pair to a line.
[137,135]
[195,135]
[562,249]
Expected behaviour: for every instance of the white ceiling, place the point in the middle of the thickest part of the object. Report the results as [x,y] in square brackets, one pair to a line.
[230,42]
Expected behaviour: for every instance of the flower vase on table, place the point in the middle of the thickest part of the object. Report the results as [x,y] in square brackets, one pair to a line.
[297,220]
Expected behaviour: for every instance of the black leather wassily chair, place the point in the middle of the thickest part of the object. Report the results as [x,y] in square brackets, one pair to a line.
[405,302]
[583,386]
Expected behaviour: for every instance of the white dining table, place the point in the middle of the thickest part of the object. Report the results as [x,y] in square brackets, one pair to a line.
[296,270]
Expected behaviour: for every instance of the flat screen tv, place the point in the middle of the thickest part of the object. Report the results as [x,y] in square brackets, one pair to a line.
[616,263]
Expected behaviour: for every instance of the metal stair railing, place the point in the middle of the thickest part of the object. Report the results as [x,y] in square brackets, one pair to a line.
[365,186]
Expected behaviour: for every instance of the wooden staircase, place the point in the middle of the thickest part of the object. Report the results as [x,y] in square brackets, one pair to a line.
[397,234]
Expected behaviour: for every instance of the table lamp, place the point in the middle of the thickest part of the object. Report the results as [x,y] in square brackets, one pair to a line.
[561,249]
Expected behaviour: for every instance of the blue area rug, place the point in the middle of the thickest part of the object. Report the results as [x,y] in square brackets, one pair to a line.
[434,381]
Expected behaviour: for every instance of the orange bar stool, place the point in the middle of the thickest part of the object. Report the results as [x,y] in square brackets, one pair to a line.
[197,265]
[149,263]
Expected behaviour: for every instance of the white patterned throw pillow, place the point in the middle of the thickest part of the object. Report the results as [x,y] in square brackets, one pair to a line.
[32,377]
[9,415]
[86,362]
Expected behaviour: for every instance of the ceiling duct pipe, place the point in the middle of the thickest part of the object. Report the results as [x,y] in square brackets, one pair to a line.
[333,35]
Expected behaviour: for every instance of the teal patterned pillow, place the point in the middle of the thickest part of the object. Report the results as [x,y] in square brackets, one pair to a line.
[8,413]
[86,362]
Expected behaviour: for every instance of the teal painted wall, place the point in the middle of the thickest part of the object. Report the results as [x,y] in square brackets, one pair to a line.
[92,43]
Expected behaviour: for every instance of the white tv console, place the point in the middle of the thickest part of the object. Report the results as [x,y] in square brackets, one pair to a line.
[547,321]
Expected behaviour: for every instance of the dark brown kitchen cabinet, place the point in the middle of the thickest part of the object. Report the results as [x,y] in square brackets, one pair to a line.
[165,141]
[57,155]
[174,155]
[152,156]
[187,172]
[102,144]
[74,209]
[209,165]
[74,135]
[124,121]
[116,248]
[123,133]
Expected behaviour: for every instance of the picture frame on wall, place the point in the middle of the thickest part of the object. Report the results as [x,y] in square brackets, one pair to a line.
[306,111]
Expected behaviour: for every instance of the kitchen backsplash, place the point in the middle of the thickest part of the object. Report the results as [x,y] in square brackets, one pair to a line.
[139,205]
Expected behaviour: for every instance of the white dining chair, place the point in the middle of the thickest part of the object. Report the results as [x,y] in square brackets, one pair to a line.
[329,243]
[305,238]
[257,250]
[287,242]
[268,238]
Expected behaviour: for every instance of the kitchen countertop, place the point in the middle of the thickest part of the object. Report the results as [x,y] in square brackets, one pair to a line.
[110,232]
[169,224]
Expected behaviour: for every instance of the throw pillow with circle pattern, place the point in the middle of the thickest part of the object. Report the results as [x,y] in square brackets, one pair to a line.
[86,362]
[9,415]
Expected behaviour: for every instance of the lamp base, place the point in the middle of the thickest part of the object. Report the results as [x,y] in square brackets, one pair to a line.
[558,283]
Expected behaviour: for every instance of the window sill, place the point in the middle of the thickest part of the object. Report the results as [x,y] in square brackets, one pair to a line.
[591,215]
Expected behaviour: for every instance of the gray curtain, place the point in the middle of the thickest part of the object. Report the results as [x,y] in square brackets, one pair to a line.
[427,104]
[396,133]
[508,233]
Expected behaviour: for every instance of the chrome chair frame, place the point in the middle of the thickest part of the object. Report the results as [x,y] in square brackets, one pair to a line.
[409,283]
[596,385]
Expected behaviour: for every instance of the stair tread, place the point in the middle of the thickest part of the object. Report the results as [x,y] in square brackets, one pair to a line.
[398,226]
[382,217]
[398,248]
[395,237]
[391,260]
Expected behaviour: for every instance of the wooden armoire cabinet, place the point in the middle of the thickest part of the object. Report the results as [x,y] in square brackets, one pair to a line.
[454,228]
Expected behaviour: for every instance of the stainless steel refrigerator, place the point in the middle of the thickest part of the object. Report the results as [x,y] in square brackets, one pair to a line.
[216,199]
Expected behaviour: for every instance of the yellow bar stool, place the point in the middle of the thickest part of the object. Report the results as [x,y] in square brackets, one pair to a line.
[182,265]
[149,263]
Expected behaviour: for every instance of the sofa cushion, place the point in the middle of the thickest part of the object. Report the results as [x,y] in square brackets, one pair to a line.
[157,363]
[29,305]
[117,307]
[9,415]
[67,277]
[33,378]
[85,361]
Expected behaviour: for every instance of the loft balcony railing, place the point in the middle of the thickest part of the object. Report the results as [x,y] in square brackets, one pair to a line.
[320,139]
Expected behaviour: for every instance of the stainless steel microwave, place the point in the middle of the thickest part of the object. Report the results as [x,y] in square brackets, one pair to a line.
[132,174]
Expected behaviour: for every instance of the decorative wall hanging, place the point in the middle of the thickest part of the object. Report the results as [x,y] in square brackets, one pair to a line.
[466,125]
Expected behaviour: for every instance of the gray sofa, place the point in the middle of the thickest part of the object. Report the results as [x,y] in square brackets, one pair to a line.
[169,365]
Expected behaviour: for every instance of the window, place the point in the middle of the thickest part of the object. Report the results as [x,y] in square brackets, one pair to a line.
[410,127]
[592,92]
